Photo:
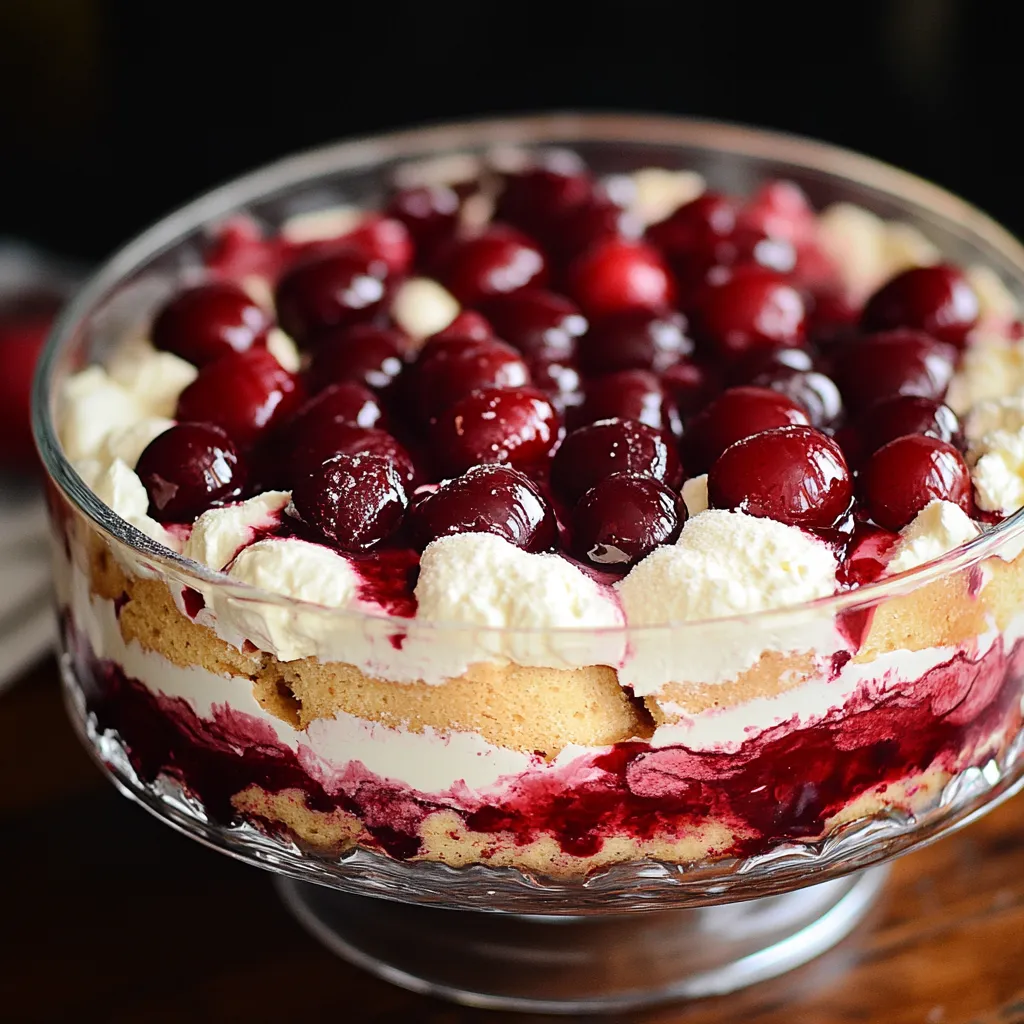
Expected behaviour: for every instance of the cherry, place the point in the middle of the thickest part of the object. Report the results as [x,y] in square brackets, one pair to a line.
[485,499]
[623,519]
[815,393]
[697,236]
[899,362]
[363,354]
[189,468]
[832,317]
[330,289]
[903,476]
[747,308]
[344,402]
[598,450]
[206,321]
[538,323]
[635,339]
[795,475]
[431,215]
[236,248]
[937,300]
[245,393]
[353,501]
[690,385]
[780,209]
[735,414]
[907,414]
[630,395]
[302,451]
[498,262]
[618,274]
[383,238]
[445,373]
[590,223]
[467,326]
[514,425]
[536,199]
[767,360]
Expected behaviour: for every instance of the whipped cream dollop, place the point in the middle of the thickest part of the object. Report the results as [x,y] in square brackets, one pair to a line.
[995,436]
[220,533]
[724,564]
[992,366]
[154,378]
[938,528]
[695,495]
[119,487]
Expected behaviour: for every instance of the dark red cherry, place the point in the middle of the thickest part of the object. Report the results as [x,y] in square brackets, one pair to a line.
[746,308]
[344,402]
[446,373]
[907,414]
[630,395]
[236,247]
[831,317]
[246,393]
[623,519]
[467,326]
[538,323]
[498,262]
[634,339]
[536,199]
[795,475]
[518,426]
[618,274]
[333,289]
[431,214]
[767,360]
[899,362]
[937,300]
[697,236]
[780,209]
[189,468]
[485,499]
[353,501]
[362,354]
[383,238]
[599,450]
[589,224]
[815,393]
[903,476]
[301,451]
[735,414]
[691,385]
[210,320]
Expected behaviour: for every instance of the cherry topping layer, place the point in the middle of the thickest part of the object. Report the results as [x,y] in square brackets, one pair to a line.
[188,469]
[796,475]
[210,320]
[485,499]
[335,289]
[623,519]
[515,425]
[353,501]
[635,339]
[736,413]
[598,450]
[245,393]
[937,300]
[903,476]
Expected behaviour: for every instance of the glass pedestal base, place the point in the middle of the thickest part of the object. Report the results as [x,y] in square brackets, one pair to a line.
[593,964]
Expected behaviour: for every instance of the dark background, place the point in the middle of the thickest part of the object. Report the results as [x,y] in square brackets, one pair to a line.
[112,113]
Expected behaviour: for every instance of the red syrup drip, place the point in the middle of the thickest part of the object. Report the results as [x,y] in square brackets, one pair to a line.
[193,601]
[782,784]
[388,578]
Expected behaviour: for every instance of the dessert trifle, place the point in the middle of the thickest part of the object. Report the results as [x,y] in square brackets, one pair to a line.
[533,516]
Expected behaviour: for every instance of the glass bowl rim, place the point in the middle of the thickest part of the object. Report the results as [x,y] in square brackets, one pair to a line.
[481,134]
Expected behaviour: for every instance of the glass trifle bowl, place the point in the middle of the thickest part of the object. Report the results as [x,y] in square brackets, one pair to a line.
[589,812]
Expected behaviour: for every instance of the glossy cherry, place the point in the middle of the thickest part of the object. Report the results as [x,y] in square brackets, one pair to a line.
[332,289]
[353,501]
[207,321]
[364,354]
[499,261]
[538,323]
[301,452]
[538,198]
[189,468]
[903,476]
[446,373]
[589,224]
[747,308]
[691,385]
[618,274]
[795,475]
[246,393]
[937,300]
[386,239]
[623,519]
[629,395]
[697,236]
[345,402]
[468,325]
[599,450]
[634,339]
[907,414]
[485,499]
[735,414]
[518,426]
[766,360]
[431,215]
[815,393]
[898,362]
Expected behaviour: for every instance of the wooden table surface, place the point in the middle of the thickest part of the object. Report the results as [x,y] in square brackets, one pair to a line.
[109,916]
